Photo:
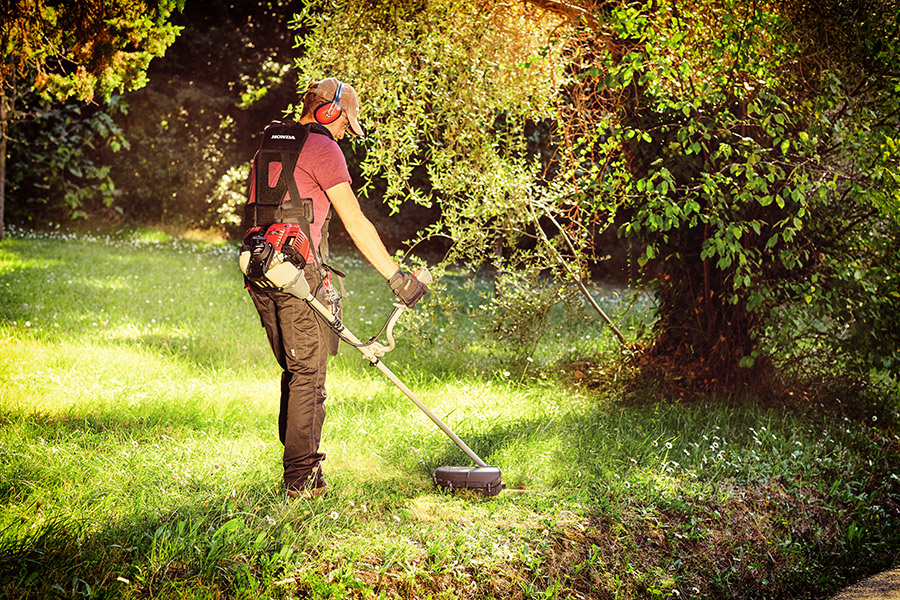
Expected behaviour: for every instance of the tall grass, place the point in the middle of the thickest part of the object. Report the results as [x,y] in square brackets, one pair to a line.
[140,458]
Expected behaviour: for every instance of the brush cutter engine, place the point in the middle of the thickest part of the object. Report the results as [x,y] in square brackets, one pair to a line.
[266,249]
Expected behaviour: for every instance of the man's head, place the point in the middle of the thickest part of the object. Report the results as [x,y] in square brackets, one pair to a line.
[334,104]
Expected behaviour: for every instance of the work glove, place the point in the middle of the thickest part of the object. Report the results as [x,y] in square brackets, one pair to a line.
[407,288]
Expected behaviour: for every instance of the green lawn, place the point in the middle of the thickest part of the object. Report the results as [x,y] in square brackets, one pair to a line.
[140,458]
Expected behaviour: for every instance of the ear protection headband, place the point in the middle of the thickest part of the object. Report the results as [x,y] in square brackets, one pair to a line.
[329,112]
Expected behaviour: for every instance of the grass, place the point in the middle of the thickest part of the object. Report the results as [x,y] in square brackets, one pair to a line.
[140,458]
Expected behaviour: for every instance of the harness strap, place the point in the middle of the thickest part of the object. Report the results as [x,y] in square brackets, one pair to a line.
[266,215]
[270,206]
[323,245]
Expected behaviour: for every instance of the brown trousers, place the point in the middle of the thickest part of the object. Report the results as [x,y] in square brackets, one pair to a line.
[299,340]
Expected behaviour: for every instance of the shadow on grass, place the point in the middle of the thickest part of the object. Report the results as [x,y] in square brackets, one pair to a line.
[199,546]
[217,545]
[176,305]
[221,544]
[149,421]
[36,444]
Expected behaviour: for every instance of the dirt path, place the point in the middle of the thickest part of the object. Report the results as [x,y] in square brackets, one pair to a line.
[884,586]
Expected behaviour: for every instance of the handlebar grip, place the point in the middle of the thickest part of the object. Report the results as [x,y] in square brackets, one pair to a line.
[423,275]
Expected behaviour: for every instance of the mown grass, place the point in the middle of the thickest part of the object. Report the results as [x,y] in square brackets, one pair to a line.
[140,456]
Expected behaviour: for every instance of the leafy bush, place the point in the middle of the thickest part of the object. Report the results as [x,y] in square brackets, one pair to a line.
[755,168]
[229,196]
[184,143]
[60,168]
[516,312]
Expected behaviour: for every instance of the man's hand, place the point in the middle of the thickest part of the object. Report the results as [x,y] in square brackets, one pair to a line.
[407,288]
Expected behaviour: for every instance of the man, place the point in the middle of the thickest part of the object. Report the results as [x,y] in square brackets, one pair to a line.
[299,339]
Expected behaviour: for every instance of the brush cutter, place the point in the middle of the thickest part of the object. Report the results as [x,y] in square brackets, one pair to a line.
[481,478]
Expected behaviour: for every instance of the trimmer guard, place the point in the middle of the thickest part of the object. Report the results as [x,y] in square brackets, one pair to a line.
[483,480]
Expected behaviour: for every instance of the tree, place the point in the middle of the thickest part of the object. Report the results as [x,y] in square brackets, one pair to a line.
[459,101]
[747,150]
[75,49]
[750,150]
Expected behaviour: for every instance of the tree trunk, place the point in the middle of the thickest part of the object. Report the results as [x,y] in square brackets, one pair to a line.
[701,331]
[4,128]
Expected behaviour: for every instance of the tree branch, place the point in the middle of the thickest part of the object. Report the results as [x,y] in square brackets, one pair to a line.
[571,12]
[565,265]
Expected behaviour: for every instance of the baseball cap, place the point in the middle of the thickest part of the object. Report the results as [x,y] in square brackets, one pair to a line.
[349,102]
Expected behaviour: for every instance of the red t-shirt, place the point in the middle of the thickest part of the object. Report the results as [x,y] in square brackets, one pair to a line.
[321,166]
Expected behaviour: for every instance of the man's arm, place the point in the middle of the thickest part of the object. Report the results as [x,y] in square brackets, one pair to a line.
[361,229]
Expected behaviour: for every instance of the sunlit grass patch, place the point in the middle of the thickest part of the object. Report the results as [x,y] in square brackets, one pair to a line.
[83,377]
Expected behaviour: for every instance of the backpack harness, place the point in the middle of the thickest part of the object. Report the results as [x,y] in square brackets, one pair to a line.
[277,223]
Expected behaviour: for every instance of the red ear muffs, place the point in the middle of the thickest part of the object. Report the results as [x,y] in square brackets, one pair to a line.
[329,112]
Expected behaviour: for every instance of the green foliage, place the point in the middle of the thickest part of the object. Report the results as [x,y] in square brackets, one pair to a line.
[76,49]
[187,144]
[271,73]
[194,126]
[191,129]
[752,171]
[230,195]
[457,100]
[447,88]
[60,163]
[518,310]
